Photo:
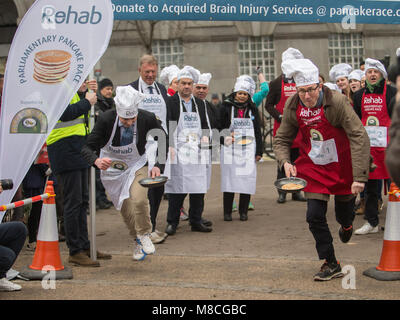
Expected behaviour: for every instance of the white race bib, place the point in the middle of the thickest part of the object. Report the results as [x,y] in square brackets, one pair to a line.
[323,152]
[377,136]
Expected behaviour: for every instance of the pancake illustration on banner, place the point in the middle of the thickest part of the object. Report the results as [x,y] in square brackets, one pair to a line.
[119,165]
[316,135]
[372,121]
[30,120]
[51,66]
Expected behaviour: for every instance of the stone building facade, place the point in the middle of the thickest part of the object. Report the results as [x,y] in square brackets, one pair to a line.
[226,49]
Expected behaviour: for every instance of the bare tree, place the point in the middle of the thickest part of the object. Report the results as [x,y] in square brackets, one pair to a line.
[145,29]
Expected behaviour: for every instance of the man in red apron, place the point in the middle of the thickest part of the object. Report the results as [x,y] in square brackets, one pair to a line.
[372,106]
[281,89]
[333,156]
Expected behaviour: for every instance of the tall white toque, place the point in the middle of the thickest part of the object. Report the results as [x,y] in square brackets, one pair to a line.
[188,72]
[168,74]
[339,71]
[377,65]
[127,101]
[204,79]
[303,71]
[245,83]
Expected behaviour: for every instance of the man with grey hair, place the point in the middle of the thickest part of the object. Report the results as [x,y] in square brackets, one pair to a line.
[117,146]
[155,102]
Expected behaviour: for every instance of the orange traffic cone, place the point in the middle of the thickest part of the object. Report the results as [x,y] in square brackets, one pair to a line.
[389,265]
[47,254]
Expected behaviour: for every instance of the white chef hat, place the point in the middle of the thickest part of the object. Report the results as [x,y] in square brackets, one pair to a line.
[398,52]
[189,73]
[356,75]
[339,71]
[377,65]
[245,83]
[127,100]
[291,53]
[303,71]
[168,74]
[204,79]
[332,86]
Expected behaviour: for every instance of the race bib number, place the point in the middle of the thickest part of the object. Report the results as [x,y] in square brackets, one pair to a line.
[323,152]
[377,136]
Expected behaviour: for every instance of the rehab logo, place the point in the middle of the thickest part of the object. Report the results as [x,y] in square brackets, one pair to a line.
[51,17]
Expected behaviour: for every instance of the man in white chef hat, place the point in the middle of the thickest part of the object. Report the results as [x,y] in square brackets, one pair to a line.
[281,89]
[121,136]
[189,125]
[372,104]
[334,156]
[169,77]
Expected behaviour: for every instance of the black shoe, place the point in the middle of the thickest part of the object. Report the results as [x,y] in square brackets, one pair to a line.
[102,205]
[281,198]
[206,222]
[61,238]
[345,233]
[227,217]
[243,217]
[170,230]
[201,228]
[297,196]
[329,271]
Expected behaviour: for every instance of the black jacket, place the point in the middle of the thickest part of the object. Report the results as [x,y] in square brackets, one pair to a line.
[102,131]
[173,111]
[103,104]
[135,85]
[390,94]
[225,115]
[65,154]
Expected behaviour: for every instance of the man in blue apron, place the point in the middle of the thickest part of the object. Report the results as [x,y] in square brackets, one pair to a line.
[154,101]
[187,164]
[119,136]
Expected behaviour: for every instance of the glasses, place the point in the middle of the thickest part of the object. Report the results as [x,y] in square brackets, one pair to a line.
[309,90]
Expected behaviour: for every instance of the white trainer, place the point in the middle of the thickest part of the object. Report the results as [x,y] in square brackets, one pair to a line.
[156,237]
[147,245]
[366,228]
[138,253]
[6,285]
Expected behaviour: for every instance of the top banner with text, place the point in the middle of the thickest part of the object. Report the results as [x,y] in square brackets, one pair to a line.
[373,12]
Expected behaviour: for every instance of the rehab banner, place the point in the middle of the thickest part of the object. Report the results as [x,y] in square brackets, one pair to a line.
[325,11]
[55,47]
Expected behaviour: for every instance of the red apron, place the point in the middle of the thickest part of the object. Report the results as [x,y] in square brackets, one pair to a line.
[288,90]
[325,158]
[376,120]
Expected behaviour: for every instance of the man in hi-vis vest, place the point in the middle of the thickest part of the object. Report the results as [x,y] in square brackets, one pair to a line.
[64,146]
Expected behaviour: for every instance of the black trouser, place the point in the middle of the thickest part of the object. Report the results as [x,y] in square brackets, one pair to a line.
[371,201]
[244,201]
[175,203]
[316,218]
[12,239]
[76,203]
[35,213]
[155,196]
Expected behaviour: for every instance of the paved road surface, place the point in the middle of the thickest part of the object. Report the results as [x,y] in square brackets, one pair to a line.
[270,256]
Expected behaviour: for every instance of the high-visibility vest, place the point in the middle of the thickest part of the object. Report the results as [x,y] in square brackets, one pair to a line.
[63,129]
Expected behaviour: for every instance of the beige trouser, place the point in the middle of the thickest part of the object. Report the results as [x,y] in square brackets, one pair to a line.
[136,210]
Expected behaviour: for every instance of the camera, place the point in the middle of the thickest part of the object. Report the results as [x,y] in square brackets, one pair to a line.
[7,184]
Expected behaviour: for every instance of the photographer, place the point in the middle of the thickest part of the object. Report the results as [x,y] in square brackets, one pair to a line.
[12,239]
[393,149]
